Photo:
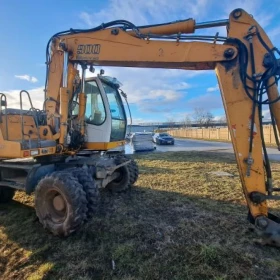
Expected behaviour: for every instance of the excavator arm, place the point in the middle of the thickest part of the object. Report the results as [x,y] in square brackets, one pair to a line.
[246,69]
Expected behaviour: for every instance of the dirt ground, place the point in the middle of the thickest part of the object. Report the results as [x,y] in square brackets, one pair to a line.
[178,222]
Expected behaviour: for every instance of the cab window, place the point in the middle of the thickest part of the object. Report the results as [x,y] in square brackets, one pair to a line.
[95,109]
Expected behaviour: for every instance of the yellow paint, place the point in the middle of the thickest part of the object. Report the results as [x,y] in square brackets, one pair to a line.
[82,110]
[12,149]
[64,100]
[103,146]
[15,128]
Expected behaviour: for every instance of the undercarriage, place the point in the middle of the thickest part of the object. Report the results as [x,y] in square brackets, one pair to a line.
[67,188]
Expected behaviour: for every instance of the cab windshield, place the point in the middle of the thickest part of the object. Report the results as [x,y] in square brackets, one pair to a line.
[117,112]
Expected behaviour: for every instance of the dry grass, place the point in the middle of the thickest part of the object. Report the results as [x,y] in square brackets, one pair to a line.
[179,222]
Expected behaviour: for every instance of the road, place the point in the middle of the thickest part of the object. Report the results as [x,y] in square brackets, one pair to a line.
[201,145]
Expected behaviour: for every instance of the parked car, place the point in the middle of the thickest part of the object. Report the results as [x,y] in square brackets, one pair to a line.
[142,141]
[163,139]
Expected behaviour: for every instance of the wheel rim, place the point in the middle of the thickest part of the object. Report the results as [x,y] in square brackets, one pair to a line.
[56,206]
[58,203]
[121,173]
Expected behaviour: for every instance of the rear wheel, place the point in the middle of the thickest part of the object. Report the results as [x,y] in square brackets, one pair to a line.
[133,170]
[6,194]
[122,182]
[60,203]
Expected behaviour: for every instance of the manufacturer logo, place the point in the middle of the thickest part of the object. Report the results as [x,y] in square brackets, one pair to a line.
[89,49]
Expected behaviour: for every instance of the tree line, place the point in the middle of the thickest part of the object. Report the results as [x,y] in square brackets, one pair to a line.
[201,117]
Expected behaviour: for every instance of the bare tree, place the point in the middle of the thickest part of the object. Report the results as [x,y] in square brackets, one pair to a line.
[187,121]
[198,116]
[202,117]
[170,122]
[208,119]
[223,119]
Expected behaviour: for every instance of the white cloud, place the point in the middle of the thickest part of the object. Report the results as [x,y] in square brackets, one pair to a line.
[141,121]
[86,18]
[274,35]
[33,80]
[266,115]
[220,118]
[213,89]
[255,8]
[208,101]
[153,90]
[27,78]
[36,94]
[146,12]
[179,86]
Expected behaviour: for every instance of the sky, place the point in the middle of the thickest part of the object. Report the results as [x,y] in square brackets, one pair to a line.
[154,95]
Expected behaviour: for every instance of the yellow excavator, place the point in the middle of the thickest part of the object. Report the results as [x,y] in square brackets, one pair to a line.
[63,152]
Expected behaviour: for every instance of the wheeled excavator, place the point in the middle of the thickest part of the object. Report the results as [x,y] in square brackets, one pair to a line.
[62,153]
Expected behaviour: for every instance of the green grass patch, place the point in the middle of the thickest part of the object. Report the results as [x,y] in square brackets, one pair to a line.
[178,222]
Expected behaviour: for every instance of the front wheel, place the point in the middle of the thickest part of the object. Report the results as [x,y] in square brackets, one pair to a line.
[90,188]
[60,203]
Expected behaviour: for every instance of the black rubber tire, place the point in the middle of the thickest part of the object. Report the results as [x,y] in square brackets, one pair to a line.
[6,194]
[123,182]
[71,191]
[90,188]
[133,170]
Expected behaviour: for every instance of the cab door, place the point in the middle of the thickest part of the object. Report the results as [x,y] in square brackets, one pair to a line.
[97,115]
[105,114]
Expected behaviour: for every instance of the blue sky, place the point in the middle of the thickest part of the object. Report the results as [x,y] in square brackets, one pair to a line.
[154,94]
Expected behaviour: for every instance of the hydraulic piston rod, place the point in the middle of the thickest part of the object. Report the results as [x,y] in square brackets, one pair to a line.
[208,24]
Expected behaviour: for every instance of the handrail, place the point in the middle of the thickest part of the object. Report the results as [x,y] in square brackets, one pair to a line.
[4,98]
[34,115]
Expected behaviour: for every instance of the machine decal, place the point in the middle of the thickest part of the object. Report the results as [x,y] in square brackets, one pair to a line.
[86,51]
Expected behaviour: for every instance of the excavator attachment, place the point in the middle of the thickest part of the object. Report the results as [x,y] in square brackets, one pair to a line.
[248,83]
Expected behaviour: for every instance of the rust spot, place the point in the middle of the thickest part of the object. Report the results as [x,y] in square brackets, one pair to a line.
[256,171]
[160,52]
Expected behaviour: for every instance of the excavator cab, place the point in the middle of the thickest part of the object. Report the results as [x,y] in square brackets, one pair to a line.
[105,116]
